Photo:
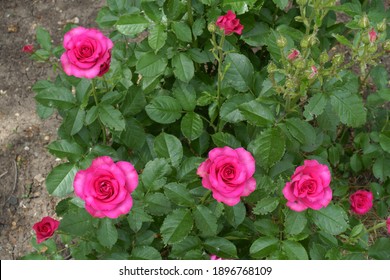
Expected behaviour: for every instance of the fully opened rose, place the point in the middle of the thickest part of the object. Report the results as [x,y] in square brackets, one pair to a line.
[228,173]
[87,53]
[106,187]
[229,24]
[45,228]
[361,202]
[309,187]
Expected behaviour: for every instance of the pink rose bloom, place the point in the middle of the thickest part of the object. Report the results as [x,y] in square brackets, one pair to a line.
[45,228]
[372,35]
[228,174]
[293,54]
[106,186]
[230,24]
[388,225]
[87,53]
[309,187]
[28,49]
[361,202]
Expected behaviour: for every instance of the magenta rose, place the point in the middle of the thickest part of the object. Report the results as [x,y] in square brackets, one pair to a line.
[388,225]
[45,228]
[106,187]
[309,187]
[215,258]
[228,174]
[230,24]
[87,53]
[28,49]
[361,202]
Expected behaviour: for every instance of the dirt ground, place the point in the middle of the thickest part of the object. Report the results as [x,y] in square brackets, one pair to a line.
[24,160]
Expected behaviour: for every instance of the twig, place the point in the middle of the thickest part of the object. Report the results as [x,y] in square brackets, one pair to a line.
[3,174]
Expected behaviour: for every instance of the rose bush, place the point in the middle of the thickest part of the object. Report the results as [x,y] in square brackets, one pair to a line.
[237,129]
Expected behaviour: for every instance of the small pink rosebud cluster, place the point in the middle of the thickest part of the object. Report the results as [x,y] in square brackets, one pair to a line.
[28,49]
[372,35]
[293,55]
[314,72]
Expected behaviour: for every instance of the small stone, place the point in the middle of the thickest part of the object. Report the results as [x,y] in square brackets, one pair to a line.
[39,178]
[13,28]
[17,115]
[47,138]
[13,200]
[26,148]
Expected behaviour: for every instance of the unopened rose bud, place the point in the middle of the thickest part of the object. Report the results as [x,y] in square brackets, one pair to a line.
[372,49]
[364,22]
[299,63]
[372,35]
[386,46]
[271,67]
[281,42]
[293,54]
[314,72]
[305,42]
[28,49]
[337,59]
[290,84]
[301,2]
[381,26]
[324,57]
[211,27]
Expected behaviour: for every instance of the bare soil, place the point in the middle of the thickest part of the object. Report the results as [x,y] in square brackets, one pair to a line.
[24,160]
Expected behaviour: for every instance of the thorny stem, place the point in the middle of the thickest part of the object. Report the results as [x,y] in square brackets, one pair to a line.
[97,104]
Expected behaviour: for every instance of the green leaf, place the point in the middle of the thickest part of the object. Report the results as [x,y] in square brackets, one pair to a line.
[205,221]
[157,204]
[269,147]
[179,194]
[112,97]
[152,10]
[164,109]
[182,31]
[66,149]
[295,222]
[78,122]
[315,106]
[303,132]
[238,6]
[134,135]
[350,109]
[76,223]
[257,35]
[107,233]
[151,65]
[92,115]
[384,140]
[341,39]
[134,101]
[281,3]
[198,26]
[239,74]
[58,97]
[176,226]
[331,219]
[230,111]
[137,216]
[256,113]
[191,126]
[263,247]
[266,205]
[381,168]
[154,174]
[82,92]
[169,146]
[222,139]
[294,250]
[186,95]
[187,169]
[236,214]
[380,250]
[183,67]
[59,181]
[106,18]
[131,25]
[43,111]
[43,38]
[145,253]
[157,37]
[111,117]
[221,247]
[380,76]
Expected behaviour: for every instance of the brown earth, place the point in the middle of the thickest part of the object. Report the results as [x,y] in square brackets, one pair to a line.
[24,160]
